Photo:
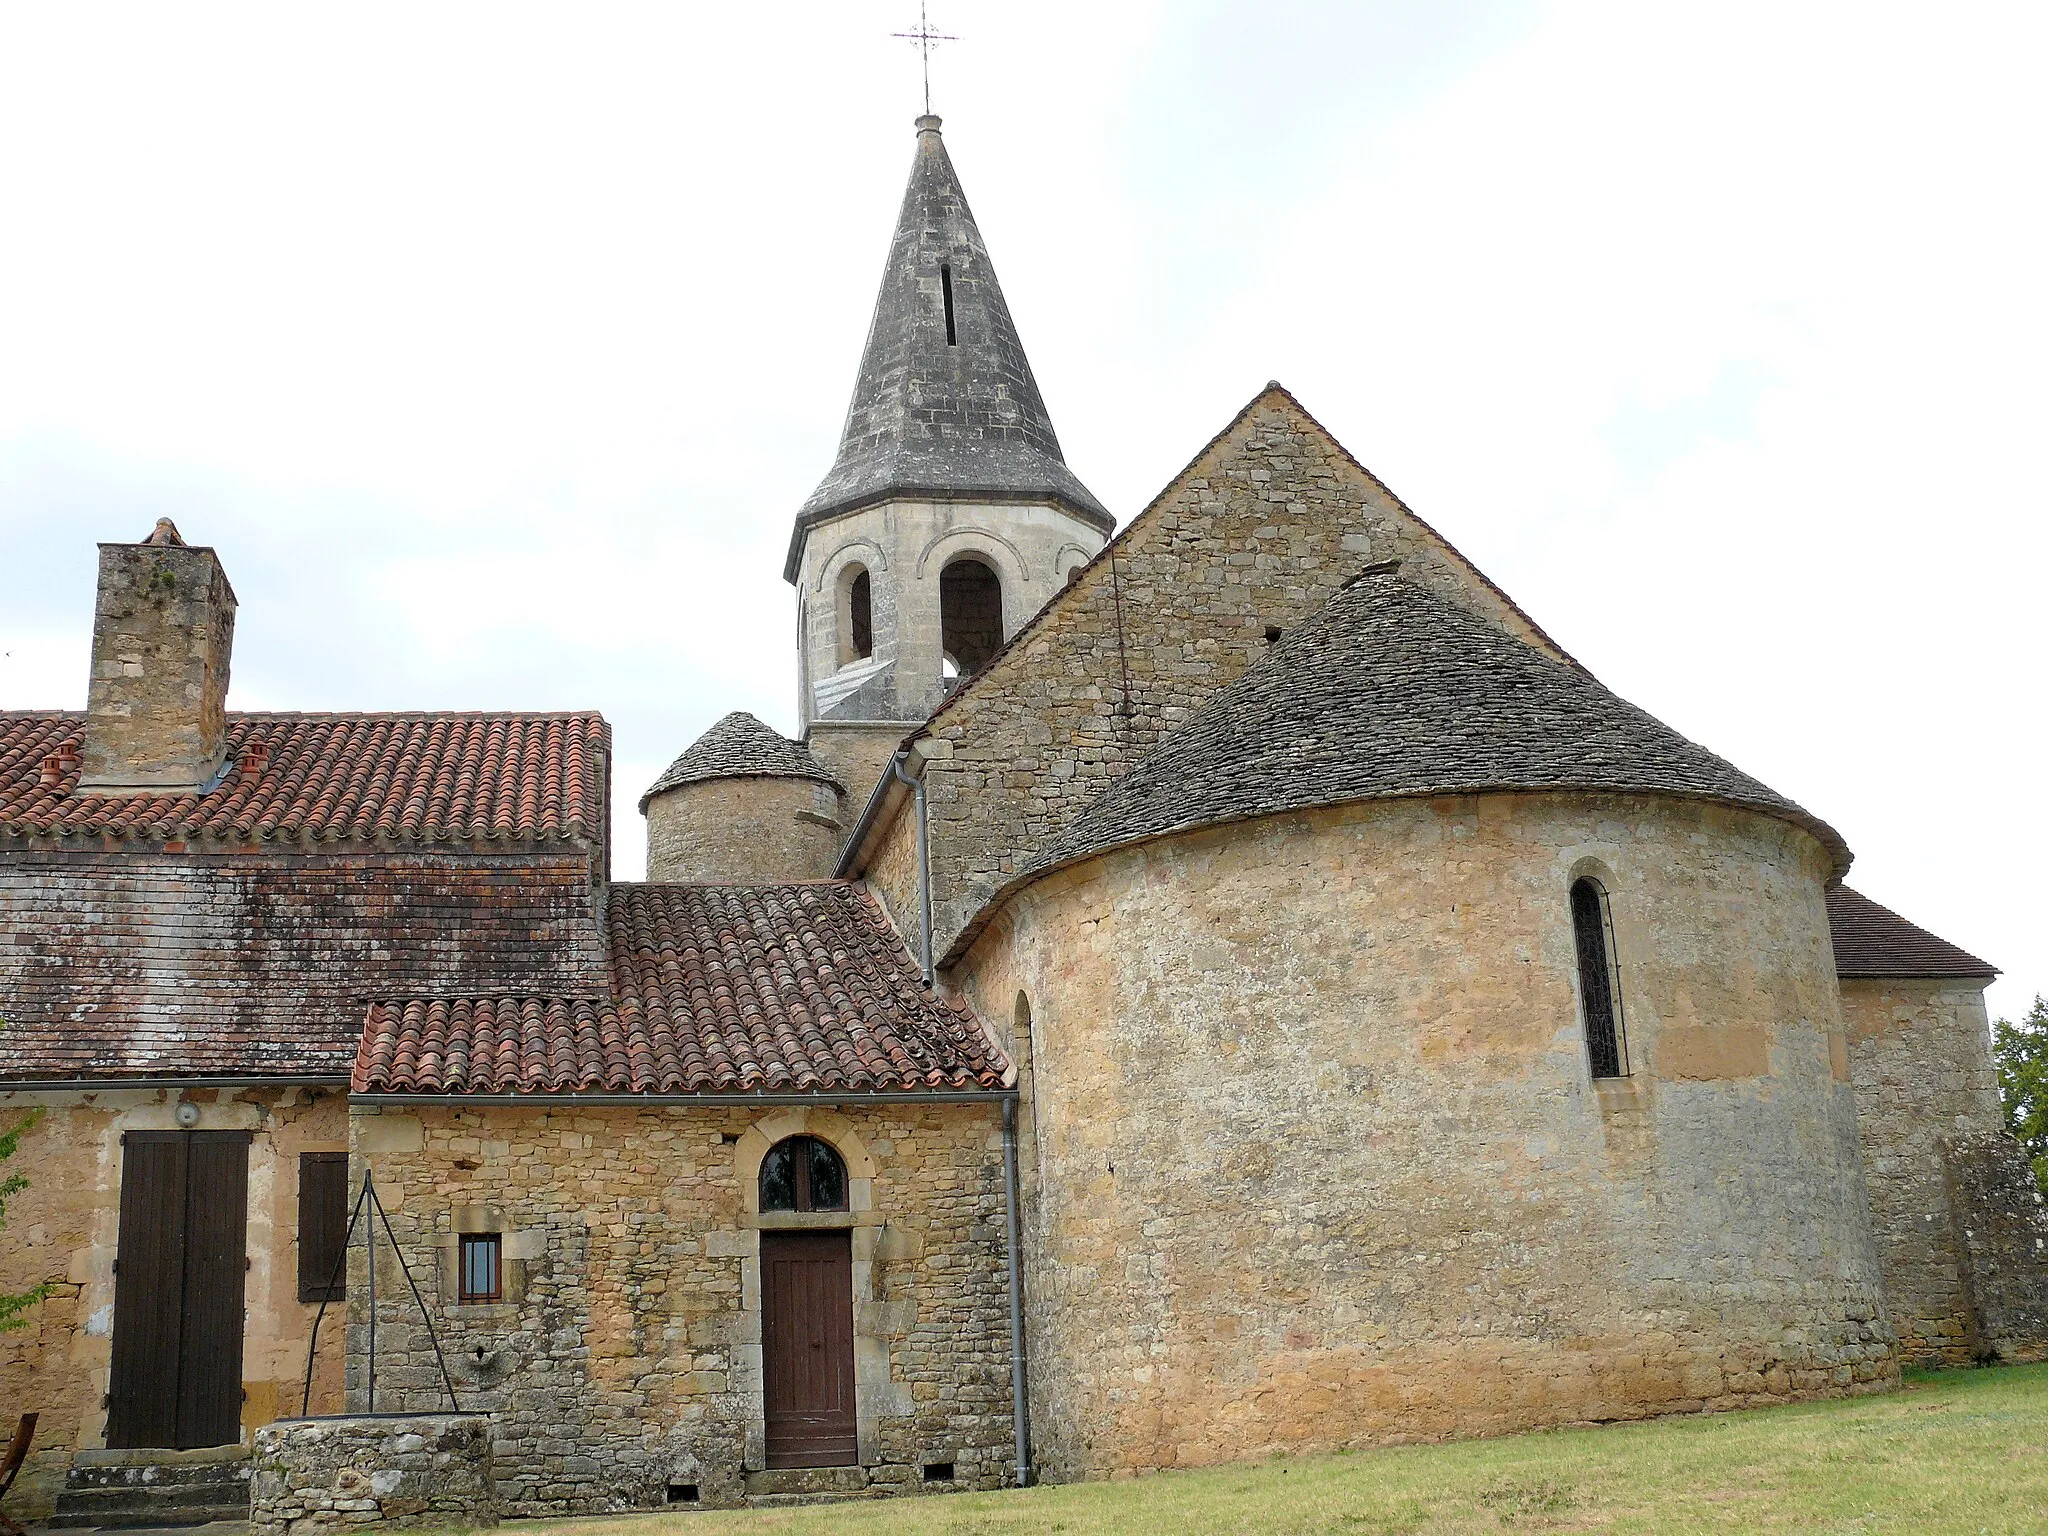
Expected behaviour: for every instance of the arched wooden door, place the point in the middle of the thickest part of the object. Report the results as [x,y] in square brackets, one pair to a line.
[807,1348]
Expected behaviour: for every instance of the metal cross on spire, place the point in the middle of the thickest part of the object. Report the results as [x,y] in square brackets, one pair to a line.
[925,37]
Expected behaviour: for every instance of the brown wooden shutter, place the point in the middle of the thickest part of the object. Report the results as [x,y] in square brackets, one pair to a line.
[149,1291]
[323,1225]
[216,1271]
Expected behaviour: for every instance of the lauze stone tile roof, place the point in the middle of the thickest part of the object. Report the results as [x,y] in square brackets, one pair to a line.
[120,965]
[1874,941]
[956,416]
[1393,691]
[403,778]
[717,989]
[740,747]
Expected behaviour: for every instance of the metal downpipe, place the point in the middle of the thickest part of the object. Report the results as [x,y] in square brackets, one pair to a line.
[1020,1411]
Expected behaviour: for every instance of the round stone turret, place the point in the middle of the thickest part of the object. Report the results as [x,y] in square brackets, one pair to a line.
[744,803]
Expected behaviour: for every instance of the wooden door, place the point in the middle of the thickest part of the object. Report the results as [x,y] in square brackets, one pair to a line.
[178,1282]
[807,1348]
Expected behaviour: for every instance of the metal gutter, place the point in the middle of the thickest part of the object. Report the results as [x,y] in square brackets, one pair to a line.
[108,1084]
[879,799]
[702,1100]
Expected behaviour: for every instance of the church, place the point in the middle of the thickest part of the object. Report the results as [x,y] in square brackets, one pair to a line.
[1210,984]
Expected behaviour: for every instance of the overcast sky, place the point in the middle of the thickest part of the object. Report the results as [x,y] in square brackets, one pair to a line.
[495,346]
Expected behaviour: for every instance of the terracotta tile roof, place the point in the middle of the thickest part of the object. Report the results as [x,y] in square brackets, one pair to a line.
[1393,690]
[741,747]
[717,989]
[120,964]
[512,778]
[1874,941]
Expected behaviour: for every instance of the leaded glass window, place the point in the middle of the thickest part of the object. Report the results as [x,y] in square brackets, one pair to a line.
[802,1173]
[1599,989]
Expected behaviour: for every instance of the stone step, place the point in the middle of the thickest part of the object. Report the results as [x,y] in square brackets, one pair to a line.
[153,1495]
[214,1474]
[167,1489]
[197,1514]
[806,1480]
[791,1500]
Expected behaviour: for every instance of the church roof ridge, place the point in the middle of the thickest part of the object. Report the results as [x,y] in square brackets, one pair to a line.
[945,406]
[740,746]
[1393,691]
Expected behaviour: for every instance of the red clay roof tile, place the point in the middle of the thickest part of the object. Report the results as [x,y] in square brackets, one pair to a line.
[717,989]
[511,778]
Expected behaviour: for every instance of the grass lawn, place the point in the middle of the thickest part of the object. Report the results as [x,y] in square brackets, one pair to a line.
[1956,1451]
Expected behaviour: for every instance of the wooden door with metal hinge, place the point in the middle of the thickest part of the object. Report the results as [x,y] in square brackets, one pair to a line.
[178,1282]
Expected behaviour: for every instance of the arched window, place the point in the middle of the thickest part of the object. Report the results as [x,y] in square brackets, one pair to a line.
[856,615]
[1599,983]
[802,1173]
[970,615]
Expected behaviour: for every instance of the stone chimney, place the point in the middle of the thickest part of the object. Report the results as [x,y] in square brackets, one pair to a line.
[156,713]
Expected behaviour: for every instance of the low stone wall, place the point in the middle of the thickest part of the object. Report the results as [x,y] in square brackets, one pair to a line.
[2002,1223]
[384,1470]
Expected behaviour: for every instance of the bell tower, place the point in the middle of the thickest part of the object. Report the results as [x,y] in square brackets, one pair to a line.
[949,517]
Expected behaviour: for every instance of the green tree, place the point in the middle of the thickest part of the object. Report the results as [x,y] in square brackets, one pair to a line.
[12,1307]
[2022,1053]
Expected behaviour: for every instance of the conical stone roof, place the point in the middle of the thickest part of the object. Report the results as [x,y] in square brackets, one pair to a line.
[1393,691]
[741,747]
[945,405]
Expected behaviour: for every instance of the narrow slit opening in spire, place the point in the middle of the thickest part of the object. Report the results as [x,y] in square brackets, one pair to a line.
[946,286]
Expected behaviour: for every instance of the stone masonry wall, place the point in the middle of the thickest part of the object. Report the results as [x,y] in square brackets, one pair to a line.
[756,830]
[1920,1056]
[1319,1162]
[65,1228]
[626,1357]
[904,546]
[858,754]
[161,635]
[1258,532]
[319,1475]
[2002,1229]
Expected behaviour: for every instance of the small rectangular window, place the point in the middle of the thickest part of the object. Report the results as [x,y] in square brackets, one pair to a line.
[482,1268]
[323,1225]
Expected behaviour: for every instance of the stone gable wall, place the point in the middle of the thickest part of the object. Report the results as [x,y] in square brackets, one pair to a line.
[1920,1055]
[626,1358]
[1318,1160]
[1259,531]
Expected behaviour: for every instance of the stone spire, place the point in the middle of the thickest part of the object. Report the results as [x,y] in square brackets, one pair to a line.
[945,407]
